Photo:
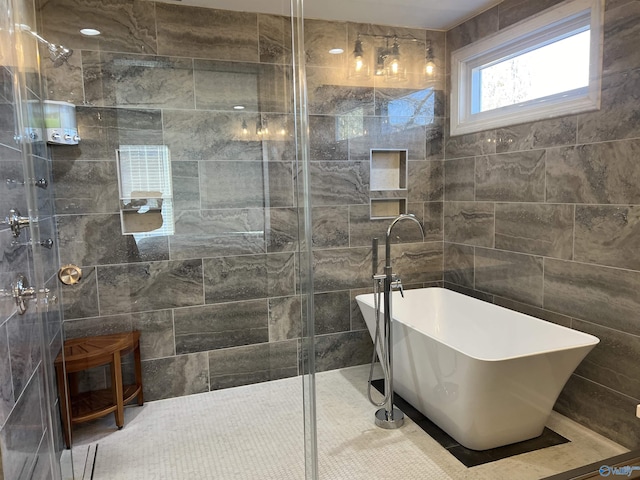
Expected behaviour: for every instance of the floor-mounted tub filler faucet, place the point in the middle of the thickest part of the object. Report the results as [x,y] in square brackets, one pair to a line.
[387,416]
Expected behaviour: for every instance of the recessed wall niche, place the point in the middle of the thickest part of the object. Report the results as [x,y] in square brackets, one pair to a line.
[388,176]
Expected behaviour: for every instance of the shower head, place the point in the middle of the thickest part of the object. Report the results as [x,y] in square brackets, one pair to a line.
[58,54]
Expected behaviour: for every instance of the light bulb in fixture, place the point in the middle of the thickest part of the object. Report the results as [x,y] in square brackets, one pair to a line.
[245,128]
[430,66]
[394,59]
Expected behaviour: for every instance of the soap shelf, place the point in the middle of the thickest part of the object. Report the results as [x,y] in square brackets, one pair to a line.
[388,177]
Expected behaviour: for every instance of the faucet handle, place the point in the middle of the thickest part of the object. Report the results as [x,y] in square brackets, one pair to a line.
[396,284]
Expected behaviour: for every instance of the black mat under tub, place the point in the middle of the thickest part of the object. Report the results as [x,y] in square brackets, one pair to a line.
[472,458]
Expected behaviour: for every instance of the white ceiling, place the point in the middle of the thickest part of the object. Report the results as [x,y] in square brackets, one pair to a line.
[430,14]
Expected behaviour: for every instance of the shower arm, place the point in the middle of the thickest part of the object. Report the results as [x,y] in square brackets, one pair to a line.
[58,53]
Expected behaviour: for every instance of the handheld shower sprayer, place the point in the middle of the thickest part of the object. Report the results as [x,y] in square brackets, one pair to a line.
[58,54]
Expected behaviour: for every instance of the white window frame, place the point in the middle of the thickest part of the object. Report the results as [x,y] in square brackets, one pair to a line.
[532,32]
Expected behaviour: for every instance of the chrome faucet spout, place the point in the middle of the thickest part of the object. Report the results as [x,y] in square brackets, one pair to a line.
[403,216]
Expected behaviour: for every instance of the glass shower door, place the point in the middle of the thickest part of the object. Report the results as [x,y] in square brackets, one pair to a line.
[183,207]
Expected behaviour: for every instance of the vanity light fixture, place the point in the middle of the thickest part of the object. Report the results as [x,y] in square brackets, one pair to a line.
[389,62]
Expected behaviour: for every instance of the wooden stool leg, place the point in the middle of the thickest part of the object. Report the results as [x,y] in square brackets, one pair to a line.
[138,369]
[116,387]
[64,405]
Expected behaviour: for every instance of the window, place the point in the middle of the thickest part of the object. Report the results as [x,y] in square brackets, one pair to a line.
[545,66]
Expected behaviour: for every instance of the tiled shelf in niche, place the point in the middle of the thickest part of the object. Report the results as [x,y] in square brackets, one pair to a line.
[388,170]
[388,177]
[388,207]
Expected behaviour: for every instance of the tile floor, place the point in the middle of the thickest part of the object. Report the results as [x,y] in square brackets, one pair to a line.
[256,432]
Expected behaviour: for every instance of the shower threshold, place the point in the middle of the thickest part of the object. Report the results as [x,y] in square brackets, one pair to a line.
[626,465]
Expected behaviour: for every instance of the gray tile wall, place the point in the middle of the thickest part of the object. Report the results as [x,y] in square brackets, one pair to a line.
[543,218]
[216,302]
[29,342]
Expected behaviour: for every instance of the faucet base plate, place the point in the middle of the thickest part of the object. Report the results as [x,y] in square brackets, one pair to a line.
[389,420]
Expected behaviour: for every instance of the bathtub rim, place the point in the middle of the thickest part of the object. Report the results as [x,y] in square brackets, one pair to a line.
[590,340]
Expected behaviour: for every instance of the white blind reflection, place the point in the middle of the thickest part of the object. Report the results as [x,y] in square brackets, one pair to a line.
[146,192]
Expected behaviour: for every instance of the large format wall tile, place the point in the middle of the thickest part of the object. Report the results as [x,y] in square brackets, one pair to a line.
[426,181]
[601,295]
[362,228]
[511,177]
[342,268]
[320,36]
[255,86]
[85,187]
[469,222]
[81,300]
[621,29]
[401,133]
[331,226]
[199,329]
[285,321]
[185,180]
[617,352]
[207,33]
[554,132]
[126,26]
[21,434]
[460,179]
[6,384]
[143,81]
[600,409]
[616,118]
[231,367]
[326,140]
[596,173]
[246,184]
[81,241]
[473,29]
[139,287]
[282,235]
[215,233]
[513,11]
[329,95]
[175,376]
[459,264]
[510,275]
[470,145]
[608,235]
[533,228]
[244,277]
[417,263]
[340,350]
[274,37]
[332,312]
[203,135]
[339,183]
[24,337]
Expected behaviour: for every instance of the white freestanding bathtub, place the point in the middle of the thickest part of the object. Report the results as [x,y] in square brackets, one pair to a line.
[486,375]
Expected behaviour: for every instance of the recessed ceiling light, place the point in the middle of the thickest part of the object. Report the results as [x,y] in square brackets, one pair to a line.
[90,32]
[238,107]
[336,51]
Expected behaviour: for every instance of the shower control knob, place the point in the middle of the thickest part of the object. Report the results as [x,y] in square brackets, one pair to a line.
[76,138]
[55,136]
[70,274]
[33,135]
[67,137]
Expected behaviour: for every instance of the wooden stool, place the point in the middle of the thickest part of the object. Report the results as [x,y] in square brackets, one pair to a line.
[90,352]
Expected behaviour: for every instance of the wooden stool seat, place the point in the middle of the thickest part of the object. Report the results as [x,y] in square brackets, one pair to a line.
[90,352]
